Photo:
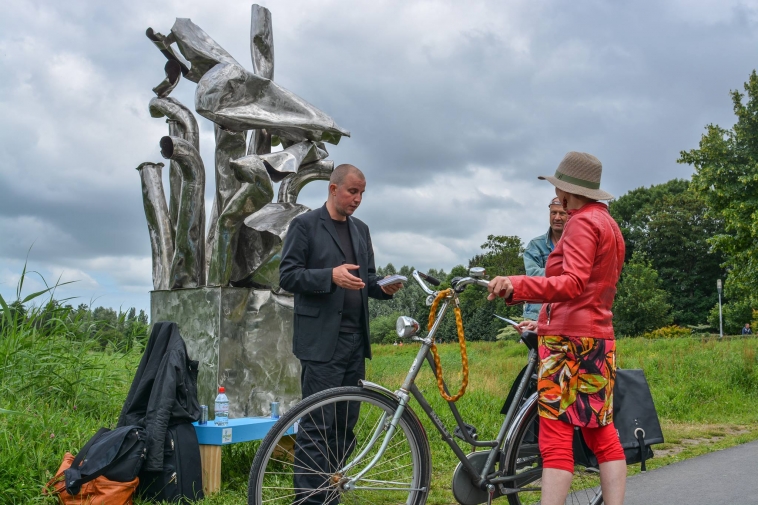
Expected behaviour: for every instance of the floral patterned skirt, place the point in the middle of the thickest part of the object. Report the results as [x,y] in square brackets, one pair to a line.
[575,380]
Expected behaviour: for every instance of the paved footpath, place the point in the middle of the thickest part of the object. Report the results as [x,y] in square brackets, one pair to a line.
[726,477]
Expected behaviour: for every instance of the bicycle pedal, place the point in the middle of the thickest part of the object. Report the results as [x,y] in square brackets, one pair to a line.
[471,430]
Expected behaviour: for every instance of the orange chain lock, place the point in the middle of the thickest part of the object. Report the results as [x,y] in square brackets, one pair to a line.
[461,341]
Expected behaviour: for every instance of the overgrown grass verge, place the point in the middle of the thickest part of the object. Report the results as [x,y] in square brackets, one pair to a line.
[63,388]
[59,386]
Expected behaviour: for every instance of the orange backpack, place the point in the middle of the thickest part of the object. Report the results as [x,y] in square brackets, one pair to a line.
[100,491]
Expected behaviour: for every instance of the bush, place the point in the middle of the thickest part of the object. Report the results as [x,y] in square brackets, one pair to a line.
[382,329]
[640,305]
[669,332]
[735,314]
[508,332]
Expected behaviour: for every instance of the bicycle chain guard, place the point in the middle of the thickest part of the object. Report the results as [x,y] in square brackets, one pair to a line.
[464,490]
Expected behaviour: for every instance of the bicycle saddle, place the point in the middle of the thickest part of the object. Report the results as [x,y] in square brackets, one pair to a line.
[530,339]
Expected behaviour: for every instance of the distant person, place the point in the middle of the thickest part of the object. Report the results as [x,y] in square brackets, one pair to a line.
[538,249]
[746,330]
[577,350]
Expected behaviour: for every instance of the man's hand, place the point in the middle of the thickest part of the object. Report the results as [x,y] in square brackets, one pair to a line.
[342,277]
[500,286]
[391,289]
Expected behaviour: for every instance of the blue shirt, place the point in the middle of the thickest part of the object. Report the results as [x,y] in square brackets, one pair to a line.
[535,259]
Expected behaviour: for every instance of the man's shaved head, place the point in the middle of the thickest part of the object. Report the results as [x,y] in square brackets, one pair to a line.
[346,187]
[339,174]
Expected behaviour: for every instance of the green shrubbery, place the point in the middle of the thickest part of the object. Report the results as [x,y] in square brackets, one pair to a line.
[669,332]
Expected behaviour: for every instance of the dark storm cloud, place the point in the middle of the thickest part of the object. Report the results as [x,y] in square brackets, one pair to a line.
[454,110]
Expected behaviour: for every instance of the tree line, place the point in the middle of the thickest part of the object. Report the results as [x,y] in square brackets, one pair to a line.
[109,328]
[668,279]
[681,236]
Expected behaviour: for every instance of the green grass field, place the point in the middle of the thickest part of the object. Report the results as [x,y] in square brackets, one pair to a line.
[63,391]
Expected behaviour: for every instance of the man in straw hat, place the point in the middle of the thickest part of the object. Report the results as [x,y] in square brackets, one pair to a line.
[539,248]
[576,339]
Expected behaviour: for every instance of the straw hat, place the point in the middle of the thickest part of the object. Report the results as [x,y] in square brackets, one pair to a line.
[579,173]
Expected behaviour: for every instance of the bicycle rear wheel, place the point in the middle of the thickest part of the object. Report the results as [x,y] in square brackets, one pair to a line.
[524,461]
[311,452]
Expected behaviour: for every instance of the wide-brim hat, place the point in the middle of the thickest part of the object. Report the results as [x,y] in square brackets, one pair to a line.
[579,173]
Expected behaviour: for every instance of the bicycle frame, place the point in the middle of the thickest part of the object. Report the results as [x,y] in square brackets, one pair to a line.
[480,478]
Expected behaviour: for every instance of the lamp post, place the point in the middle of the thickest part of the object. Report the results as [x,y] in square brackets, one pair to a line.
[721,325]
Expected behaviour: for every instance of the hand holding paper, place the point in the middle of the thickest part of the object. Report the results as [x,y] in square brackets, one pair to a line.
[392,279]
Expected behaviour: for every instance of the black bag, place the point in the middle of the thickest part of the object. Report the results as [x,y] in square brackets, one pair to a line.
[635,417]
[118,455]
[182,477]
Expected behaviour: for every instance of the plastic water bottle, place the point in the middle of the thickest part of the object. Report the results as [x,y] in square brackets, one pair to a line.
[222,408]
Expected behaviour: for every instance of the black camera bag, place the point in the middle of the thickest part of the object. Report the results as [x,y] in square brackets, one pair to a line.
[115,454]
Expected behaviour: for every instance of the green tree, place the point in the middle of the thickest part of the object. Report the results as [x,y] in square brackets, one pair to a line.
[669,224]
[734,315]
[382,329]
[640,305]
[503,255]
[633,210]
[726,176]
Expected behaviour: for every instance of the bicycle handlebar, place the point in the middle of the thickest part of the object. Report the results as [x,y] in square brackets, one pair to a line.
[431,280]
[458,283]
[465,281]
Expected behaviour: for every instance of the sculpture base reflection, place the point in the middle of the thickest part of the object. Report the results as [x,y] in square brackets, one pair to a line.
[243,340]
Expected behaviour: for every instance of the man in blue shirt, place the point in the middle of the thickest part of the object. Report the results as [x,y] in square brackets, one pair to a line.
[746,330]
[536,253]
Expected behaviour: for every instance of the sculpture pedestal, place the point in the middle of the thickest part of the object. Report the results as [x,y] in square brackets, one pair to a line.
[243,341]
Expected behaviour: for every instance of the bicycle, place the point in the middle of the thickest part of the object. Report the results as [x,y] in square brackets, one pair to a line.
[386,457]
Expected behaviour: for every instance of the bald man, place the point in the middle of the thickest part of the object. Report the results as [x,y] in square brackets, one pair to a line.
[328,263]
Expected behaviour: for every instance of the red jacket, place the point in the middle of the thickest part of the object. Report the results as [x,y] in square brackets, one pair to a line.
[580,277]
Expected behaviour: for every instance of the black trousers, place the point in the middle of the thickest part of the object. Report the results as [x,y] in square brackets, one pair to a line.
[325,437]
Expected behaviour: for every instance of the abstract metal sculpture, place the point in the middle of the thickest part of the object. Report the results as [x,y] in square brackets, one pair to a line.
[237,101]
[188,266]
[241,336]
[158,223]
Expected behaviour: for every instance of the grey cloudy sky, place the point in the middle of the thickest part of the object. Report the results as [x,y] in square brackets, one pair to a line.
[454,109]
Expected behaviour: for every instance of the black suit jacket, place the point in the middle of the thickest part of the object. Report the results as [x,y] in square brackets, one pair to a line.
[311,250]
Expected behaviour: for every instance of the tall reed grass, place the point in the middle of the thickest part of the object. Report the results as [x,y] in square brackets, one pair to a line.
[56,389]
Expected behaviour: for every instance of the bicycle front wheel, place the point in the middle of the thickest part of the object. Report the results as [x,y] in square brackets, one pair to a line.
[523,460]
[311,454]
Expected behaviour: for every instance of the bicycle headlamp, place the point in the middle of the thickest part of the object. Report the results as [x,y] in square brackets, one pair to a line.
[406,327]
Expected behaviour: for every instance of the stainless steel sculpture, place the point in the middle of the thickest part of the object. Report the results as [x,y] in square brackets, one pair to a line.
[188,266]
[256,189]
[173,72]
[291,186]
[181,123]
[262,42]
[236,99]
[229,146]
[242,336]
[158,222]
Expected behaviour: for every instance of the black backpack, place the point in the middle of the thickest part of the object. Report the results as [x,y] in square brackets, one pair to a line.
[635,418]
[115,454]
[181,478]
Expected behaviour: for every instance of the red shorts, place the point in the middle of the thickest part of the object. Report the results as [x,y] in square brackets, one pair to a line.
[556,444]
